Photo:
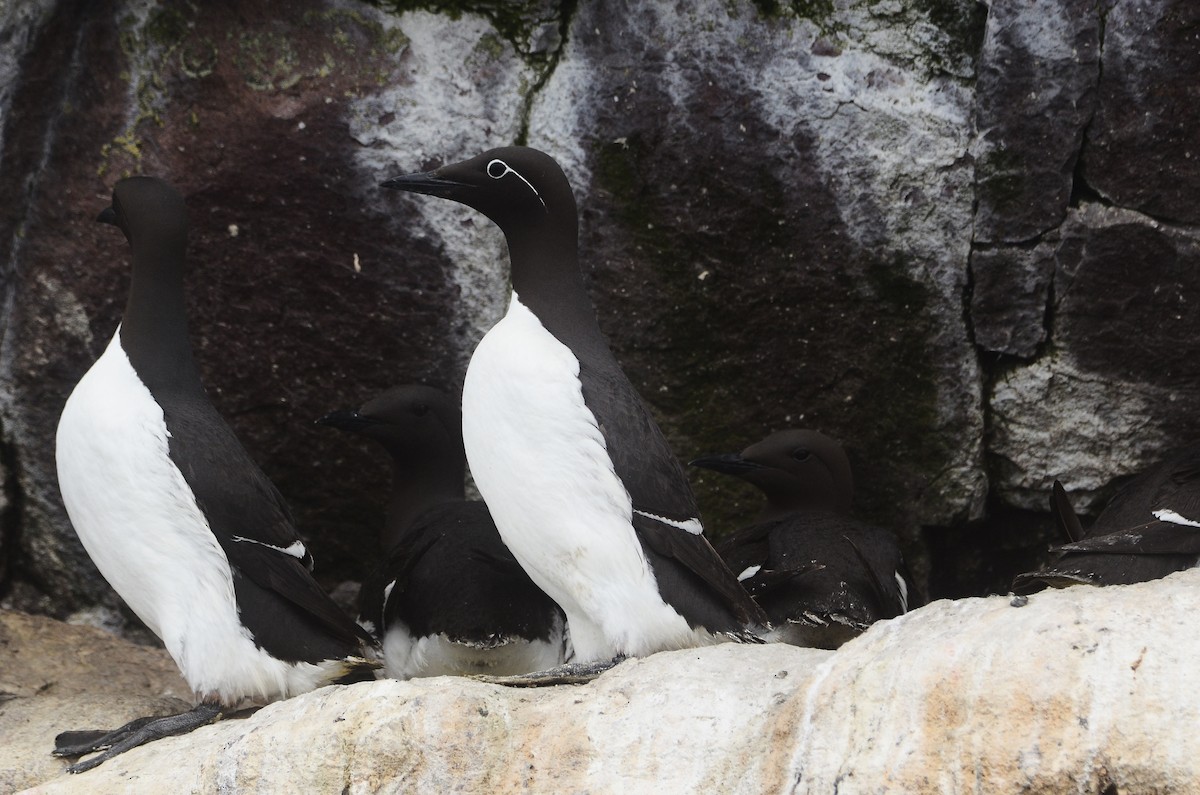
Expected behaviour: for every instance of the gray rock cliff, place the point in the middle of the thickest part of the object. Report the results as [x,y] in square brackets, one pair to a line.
[958,237]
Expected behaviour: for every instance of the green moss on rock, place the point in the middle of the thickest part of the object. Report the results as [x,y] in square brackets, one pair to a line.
[898,401]
[518,23]
[814,10]
[963,21]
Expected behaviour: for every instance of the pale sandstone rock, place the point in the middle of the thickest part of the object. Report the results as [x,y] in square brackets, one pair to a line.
[55,676]
[1075,691]
[1079,691]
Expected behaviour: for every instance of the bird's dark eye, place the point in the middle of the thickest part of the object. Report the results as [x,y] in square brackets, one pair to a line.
[420,409]
[801,454]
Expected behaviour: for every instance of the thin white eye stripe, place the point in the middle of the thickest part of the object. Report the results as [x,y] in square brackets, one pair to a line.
[510,170]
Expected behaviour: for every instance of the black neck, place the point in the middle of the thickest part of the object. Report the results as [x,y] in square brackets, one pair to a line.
[780,505]
[775,510]
[154,329]
[418,487]
[547,279]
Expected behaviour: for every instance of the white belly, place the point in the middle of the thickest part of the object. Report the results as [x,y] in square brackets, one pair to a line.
[406,657]
[138,520]
[539,461]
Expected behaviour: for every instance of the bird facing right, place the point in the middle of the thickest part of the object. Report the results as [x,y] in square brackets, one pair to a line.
[822,576]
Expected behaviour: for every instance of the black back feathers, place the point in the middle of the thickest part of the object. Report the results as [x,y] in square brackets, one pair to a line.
[821,575]
[1149,529]
[445,570]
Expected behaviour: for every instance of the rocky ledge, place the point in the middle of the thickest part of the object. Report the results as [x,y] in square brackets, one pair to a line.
[1077,691]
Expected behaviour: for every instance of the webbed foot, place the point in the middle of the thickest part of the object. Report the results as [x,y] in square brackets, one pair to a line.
[131,735]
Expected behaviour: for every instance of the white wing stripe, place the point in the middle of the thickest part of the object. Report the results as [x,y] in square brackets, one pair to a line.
[295,549]
[748,573]
[903,592]
[1167,515]
[692,526]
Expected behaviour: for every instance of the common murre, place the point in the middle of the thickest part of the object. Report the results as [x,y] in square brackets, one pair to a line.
[1149,529]
[449,599]
[821,575]
[580,481]
[175,514]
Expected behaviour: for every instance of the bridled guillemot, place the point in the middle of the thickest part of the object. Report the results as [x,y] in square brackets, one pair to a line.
[581,483]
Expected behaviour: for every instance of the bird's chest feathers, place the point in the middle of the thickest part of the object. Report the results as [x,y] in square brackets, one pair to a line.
[523,382]
[530,437]
[112,428]
[129,503]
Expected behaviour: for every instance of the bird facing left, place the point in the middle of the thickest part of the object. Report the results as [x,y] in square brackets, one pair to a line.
[175,514]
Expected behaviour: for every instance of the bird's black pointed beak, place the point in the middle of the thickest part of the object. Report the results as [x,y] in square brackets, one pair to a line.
[350,421]
[430,183]
[728,463]
[108,216]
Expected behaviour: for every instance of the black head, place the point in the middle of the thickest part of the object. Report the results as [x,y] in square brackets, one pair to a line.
[795,469]
[415,423]
[515,186]
[150,212]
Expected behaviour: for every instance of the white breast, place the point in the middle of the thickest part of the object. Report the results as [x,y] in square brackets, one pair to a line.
[139,522]
[539,460]
[406,656]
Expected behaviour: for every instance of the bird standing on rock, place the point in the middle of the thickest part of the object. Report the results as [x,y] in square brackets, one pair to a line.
[583,487]
[1149,529]
[822,576]
[449,599]
[175,514]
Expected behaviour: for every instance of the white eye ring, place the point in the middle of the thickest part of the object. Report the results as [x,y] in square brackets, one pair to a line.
[507,169]
[503,166]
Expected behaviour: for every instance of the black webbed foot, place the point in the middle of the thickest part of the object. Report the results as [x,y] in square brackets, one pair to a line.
[86,741]
[131,735]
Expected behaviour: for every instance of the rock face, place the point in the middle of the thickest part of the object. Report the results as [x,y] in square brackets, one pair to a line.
[1118,387]
[959,238]
[734,196]
[1144,119]
[1107,379]
[1035,93]
[1084,690]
